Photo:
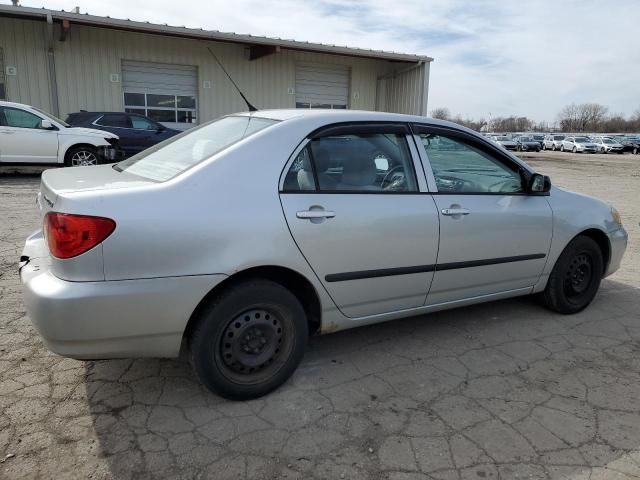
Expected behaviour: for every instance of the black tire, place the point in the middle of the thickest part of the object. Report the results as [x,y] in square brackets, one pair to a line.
[575,278]
[553,147]
[249,339]
[74,156]
[602,150]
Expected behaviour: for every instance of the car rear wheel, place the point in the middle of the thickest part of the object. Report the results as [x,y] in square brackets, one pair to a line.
[81,156]
[575,278]
[574,150]
[562,148]
[249,340]
[602,150]
[636,150]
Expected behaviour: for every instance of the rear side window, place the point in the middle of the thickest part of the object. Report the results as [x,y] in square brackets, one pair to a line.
[178,154]
[359,163]
[114,120]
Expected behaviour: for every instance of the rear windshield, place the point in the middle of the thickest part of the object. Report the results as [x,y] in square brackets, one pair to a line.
[180,153]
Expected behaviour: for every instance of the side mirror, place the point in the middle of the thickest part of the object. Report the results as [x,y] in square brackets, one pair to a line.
[47,125]
[539,183]
[161,128]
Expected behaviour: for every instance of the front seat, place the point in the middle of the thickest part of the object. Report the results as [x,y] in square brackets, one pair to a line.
[359,173]
[322,157]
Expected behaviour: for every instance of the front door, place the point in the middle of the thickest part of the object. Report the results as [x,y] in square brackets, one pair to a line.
[353,205]
[23,140]
[493,236]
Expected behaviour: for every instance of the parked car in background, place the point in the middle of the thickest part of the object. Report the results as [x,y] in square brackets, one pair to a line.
[527,144]
[209,246]
[538,137]
[506,142]
[578,145]
[136,131]
[631,144]
[552,142]
[608,145]
[30,136]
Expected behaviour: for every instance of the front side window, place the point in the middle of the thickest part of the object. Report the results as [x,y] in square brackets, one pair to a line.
[14,117]
[142,123]
[178,154]
[362,163]
[460,167]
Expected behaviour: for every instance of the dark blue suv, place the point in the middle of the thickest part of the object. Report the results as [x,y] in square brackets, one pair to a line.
[136,132]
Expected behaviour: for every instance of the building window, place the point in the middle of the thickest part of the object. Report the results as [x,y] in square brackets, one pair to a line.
[162,108]
[3,83]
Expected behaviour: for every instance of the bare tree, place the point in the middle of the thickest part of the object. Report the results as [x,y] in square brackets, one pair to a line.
[441,113]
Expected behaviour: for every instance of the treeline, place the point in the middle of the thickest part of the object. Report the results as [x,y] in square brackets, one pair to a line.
[585,117]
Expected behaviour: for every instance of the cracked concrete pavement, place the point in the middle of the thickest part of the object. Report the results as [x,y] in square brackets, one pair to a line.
[504,390]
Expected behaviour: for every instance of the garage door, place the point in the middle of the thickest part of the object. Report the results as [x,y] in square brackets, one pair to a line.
[322,86]
[166,93]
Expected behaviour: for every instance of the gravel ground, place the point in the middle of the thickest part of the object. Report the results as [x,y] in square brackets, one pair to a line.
[502,390]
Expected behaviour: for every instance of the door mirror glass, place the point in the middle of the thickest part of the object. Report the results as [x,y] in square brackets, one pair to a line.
[46,125]
[539,183]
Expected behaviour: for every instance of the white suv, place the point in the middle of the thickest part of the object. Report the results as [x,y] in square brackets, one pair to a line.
[30,136]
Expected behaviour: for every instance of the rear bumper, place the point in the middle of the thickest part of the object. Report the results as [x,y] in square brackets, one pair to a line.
[618,241]
[111,319]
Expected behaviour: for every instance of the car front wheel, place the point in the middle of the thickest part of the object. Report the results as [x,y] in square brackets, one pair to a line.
[575,278]
[562,148]
[82,156]
[249,339]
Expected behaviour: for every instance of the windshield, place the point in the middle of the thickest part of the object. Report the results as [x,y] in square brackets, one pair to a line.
[539,137]
[559,137]
[51,117]
[502,139]
[606,140]
[581,140]
[180,153]
[526,139]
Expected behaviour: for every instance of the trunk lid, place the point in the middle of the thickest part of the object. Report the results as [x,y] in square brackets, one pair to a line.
[83,179]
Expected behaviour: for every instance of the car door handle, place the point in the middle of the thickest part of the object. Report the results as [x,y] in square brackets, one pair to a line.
[310,214]
[455,211]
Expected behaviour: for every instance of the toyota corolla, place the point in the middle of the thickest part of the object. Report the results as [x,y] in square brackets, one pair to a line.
[233,242]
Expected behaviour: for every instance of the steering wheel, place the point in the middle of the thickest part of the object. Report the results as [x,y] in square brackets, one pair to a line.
[399,179]
[455,184]
[498,186]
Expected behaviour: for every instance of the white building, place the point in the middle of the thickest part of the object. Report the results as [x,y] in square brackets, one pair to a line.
[64,62]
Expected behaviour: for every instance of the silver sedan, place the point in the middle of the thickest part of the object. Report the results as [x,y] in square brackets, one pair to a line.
[233,242]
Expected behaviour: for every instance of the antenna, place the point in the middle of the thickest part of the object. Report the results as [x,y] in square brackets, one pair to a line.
[249,106]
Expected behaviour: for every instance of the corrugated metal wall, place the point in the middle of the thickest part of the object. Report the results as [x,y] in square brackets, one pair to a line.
[405,92]
[24,46]
[88,57]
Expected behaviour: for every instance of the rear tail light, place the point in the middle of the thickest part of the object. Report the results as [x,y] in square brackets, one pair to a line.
[71,235]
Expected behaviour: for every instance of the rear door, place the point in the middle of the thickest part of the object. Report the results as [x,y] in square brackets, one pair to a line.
[494,237]
[362,218]
[23,140]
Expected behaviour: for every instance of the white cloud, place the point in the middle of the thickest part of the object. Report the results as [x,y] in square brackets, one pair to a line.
[525,58]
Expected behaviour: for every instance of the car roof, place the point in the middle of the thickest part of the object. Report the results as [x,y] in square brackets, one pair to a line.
[326,116]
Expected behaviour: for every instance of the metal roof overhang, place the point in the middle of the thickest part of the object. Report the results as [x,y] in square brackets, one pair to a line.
[201,34]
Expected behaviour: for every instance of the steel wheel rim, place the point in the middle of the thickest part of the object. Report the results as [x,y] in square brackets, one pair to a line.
[84,158]
[579,276]
[254,345]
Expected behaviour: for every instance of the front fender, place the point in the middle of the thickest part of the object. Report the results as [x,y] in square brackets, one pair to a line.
[65,142]
[574,213]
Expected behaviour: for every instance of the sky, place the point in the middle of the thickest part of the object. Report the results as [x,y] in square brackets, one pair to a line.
[492,57]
